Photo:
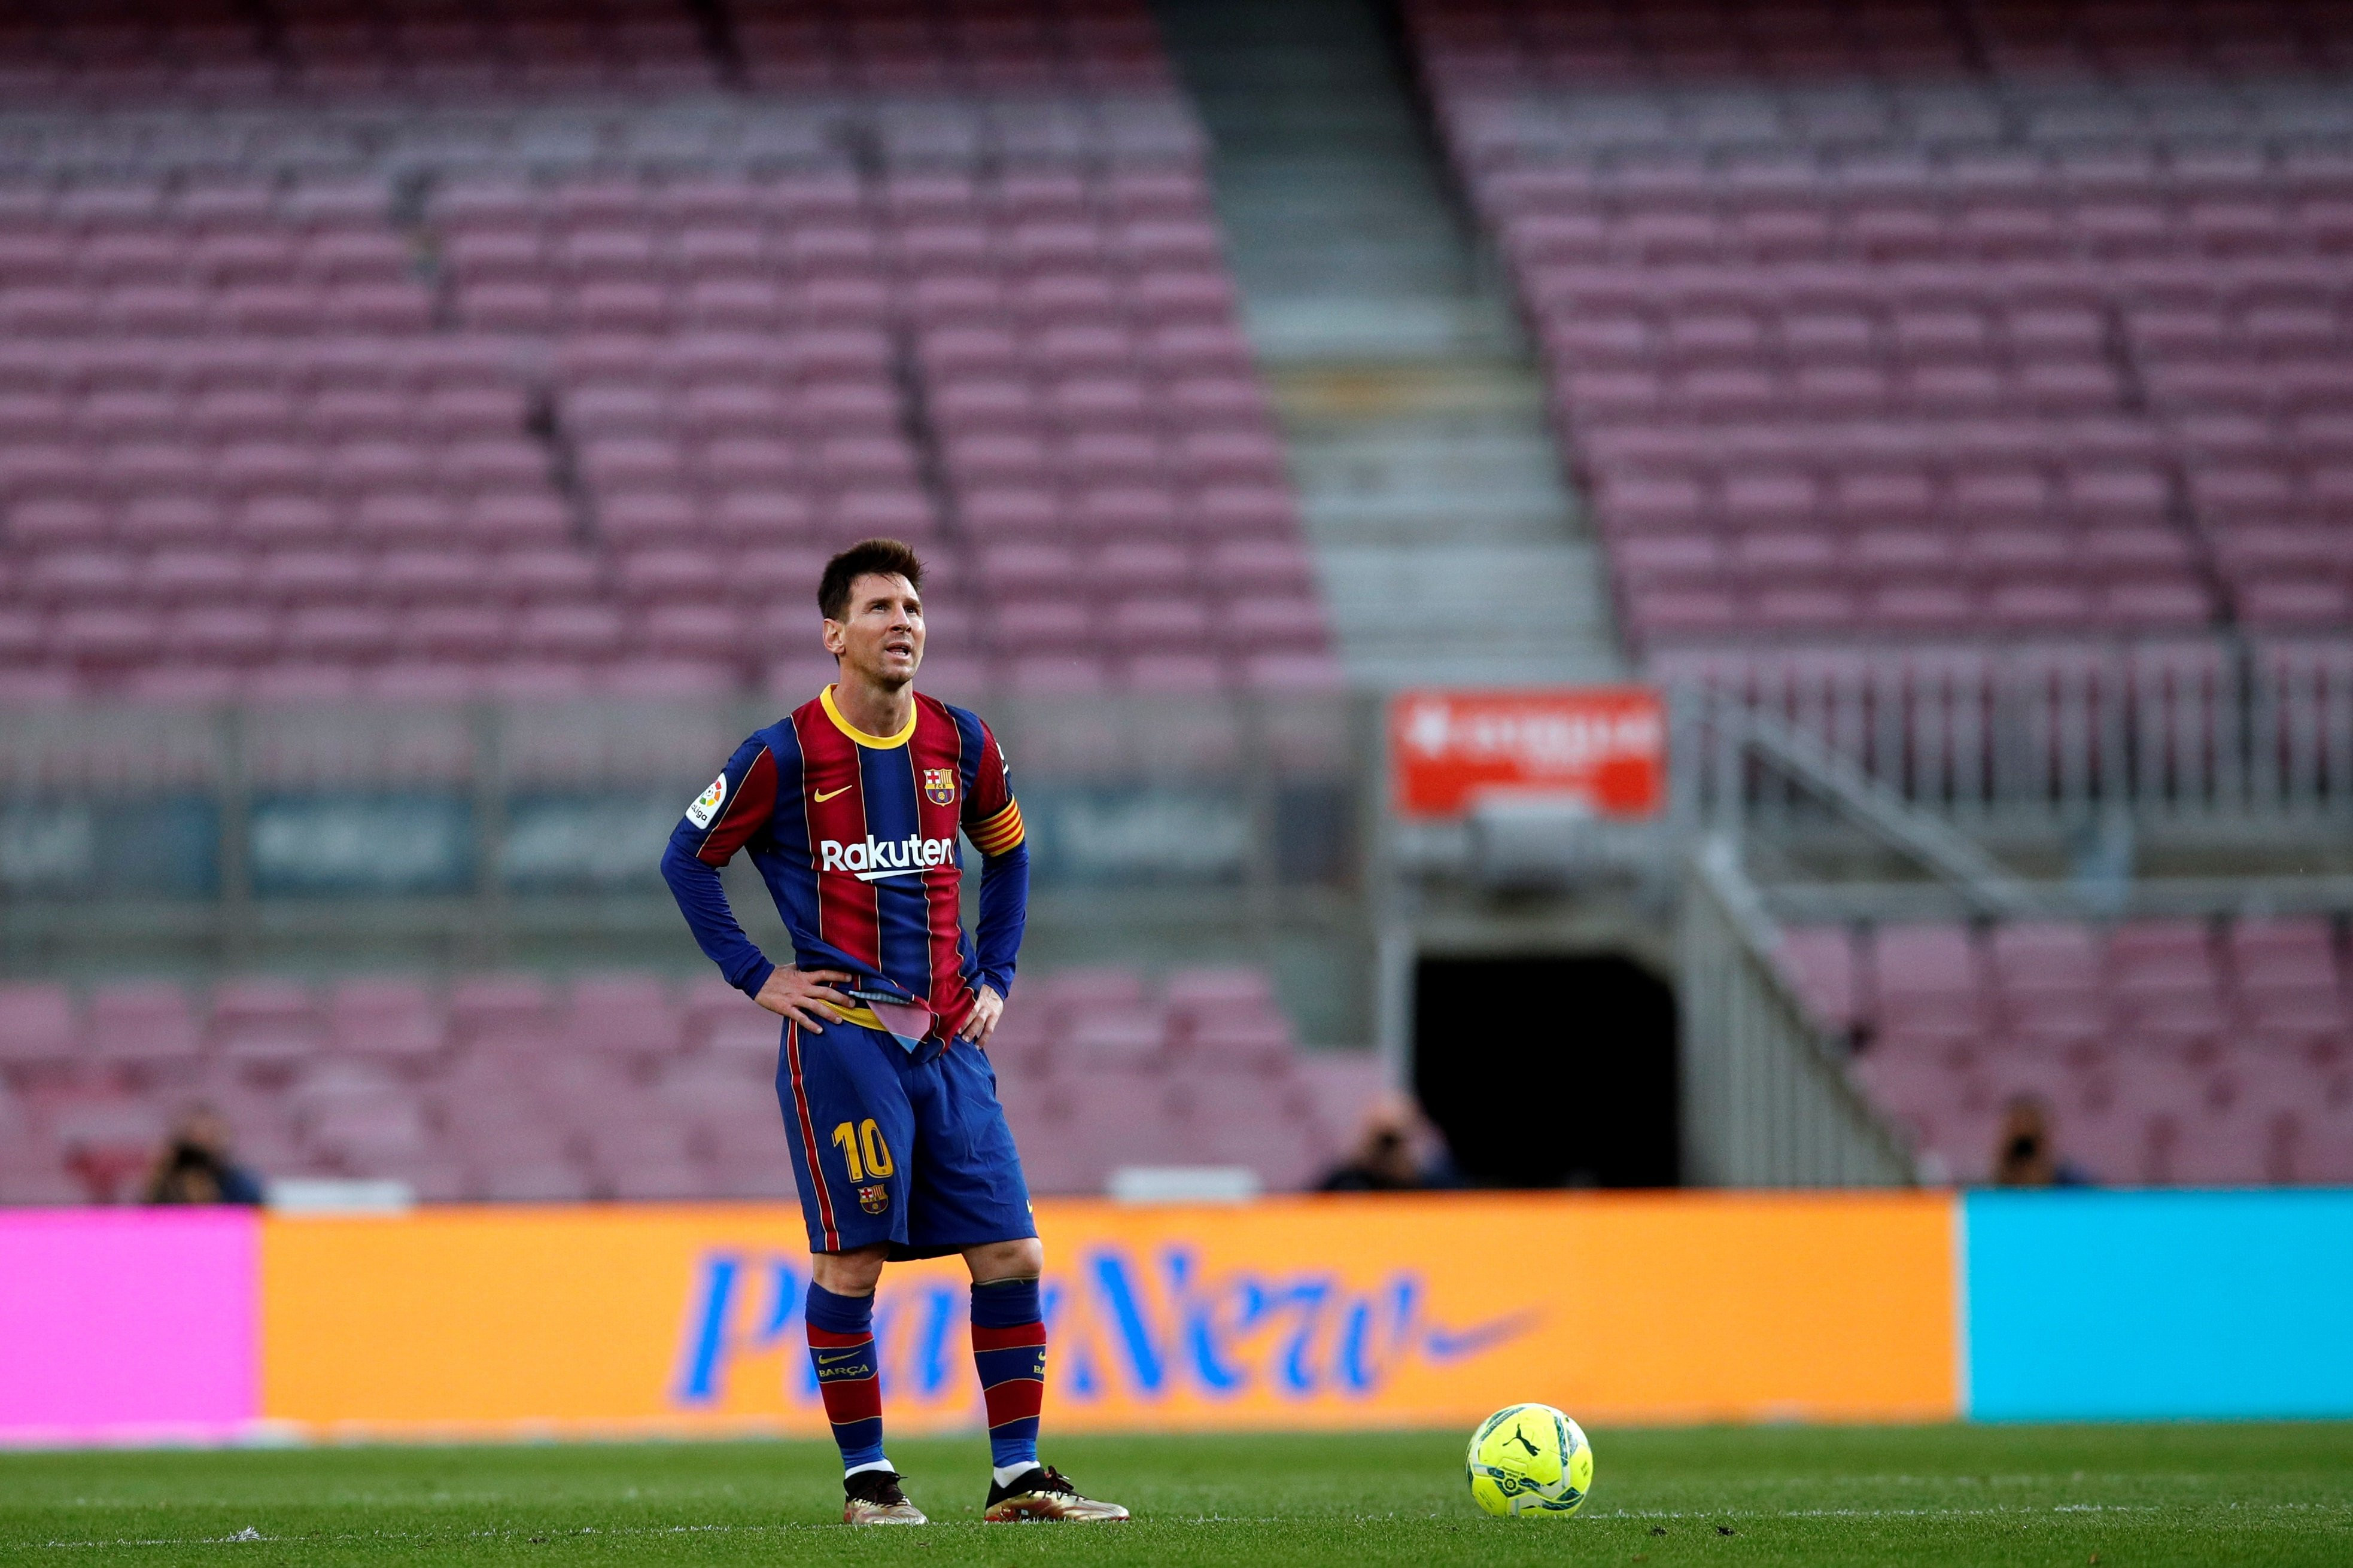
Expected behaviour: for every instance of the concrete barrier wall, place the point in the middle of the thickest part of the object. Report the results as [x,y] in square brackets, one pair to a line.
[143,1326]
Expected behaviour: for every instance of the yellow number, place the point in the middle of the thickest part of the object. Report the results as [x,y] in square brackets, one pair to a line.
[878,1153]
[867,1137]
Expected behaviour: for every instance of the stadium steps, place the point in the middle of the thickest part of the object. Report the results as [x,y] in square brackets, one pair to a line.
[1425,503]
[1406,393]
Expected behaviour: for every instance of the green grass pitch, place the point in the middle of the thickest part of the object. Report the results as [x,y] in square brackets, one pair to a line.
[2115,1495]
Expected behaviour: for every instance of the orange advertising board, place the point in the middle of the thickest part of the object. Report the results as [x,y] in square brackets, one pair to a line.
[1329,1312]
[1603,745]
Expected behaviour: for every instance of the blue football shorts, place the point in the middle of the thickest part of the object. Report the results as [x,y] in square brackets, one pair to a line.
[905,1147]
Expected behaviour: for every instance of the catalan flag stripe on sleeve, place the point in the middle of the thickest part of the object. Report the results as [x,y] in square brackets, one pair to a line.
[999,833]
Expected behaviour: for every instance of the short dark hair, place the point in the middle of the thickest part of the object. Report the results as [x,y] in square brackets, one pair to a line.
[867,557]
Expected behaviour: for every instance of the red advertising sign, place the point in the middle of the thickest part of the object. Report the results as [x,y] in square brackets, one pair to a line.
[1603,745]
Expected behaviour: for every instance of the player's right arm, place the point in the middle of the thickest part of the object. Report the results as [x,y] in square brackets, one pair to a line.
[722,820]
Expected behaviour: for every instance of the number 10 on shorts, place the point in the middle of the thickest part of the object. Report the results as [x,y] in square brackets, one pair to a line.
[866,1139]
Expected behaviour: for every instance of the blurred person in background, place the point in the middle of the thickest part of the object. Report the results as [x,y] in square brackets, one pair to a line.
[1385,1159]
[197,1163]
[2024,1155]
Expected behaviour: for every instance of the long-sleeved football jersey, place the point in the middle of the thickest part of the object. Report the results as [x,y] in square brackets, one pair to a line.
[856,838]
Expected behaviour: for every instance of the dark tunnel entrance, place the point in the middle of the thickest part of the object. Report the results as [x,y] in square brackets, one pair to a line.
[1546,1072]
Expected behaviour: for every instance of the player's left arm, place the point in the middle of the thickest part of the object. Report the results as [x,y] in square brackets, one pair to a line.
[992,820]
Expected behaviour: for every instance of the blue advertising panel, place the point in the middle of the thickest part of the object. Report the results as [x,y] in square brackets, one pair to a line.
[1130,835]
[165,846]
[2159,1305]
[362,844]
[558,843]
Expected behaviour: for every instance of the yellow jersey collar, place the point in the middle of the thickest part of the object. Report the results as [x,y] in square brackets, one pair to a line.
[879,742]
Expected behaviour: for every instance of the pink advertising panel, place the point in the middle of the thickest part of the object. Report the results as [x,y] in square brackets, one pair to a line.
[128,1325]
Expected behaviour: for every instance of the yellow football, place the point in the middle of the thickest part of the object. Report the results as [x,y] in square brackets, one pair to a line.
[1530,1460]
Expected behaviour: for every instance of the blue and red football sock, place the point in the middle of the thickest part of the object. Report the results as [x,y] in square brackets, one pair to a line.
[1009,1347]
[841,1347]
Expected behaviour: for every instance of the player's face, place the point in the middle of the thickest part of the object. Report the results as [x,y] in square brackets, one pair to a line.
[883,638]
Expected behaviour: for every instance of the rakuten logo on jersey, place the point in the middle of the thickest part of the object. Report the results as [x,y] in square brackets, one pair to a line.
[876,858]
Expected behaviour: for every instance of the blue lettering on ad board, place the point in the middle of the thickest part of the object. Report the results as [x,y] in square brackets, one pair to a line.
[1117,1323]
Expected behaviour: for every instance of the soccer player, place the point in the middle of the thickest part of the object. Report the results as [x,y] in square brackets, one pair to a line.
[851,807]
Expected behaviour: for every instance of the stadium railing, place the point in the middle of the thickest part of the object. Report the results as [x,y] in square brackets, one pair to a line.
[1767,1098]
[2181,734]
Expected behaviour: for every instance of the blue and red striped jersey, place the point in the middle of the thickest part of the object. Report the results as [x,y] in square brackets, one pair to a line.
[856,838]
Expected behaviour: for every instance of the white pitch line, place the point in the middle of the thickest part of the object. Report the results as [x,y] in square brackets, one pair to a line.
[249,1536]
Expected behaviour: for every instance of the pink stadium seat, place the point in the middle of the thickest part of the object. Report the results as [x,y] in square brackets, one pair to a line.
[2046,958]
[1928,968]
[142,1023]
[389,1019]
[1821,962]
[37,1026]
[632,1015]
[490,1001]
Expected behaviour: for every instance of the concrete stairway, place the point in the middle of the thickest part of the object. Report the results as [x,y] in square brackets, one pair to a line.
[1449,548]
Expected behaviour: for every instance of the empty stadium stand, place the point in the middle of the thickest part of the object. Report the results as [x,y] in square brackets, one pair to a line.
[2168,1052]
[1933,322]
[1966,388]
[508,1087]
[343,391]
[223,51]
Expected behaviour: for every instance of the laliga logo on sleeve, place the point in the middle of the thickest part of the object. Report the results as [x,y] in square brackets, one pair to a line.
[706,805]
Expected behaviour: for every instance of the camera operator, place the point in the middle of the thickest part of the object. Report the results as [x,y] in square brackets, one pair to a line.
[195,1165]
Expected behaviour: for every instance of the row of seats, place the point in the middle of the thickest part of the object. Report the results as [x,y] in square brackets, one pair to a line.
[465,578]
[1898,336]
[1979,162]
[341,387]
[441,48]
[2166,138]
[508,1088]
[1598,225]
[2229,1123]
[797,46]
[2166,1051]
[1926,383]
[755,295]
[796,247]
[162,256]
[253,227]
[1194,295]
[143,310]
[684,218]
[362,634]
[211,157]
[50,1030]
[2171,981]
[261,227]
[791,678]
[1492,45]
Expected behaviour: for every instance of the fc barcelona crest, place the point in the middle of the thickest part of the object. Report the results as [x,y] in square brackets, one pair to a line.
[939,785]
[874,1199]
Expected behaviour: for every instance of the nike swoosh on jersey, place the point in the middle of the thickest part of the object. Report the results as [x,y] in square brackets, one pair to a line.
[825,1360]
[824,795]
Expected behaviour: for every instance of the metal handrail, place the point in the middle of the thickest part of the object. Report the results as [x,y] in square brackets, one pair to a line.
[1767,1098]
